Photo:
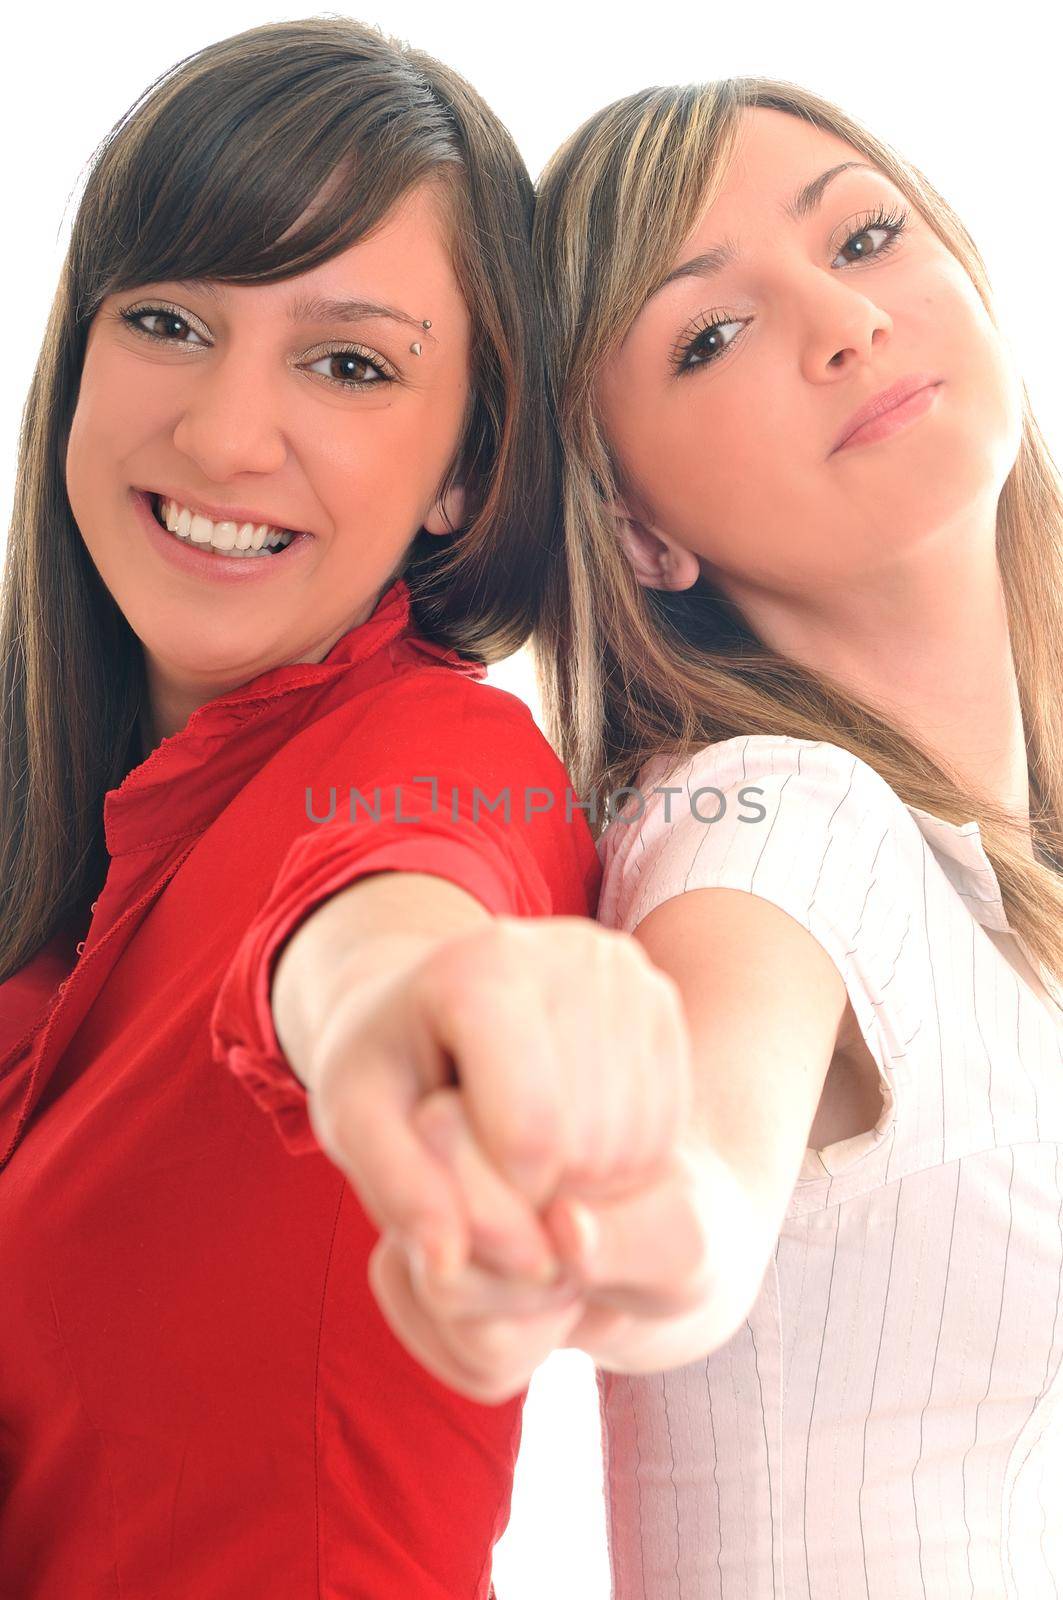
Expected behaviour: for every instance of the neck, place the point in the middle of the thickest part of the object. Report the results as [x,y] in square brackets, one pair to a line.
[171,702]
[927,644]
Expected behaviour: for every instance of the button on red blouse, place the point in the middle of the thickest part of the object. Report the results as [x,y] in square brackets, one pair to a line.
[199,1398]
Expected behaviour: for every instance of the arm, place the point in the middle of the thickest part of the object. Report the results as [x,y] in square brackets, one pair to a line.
[764,1004]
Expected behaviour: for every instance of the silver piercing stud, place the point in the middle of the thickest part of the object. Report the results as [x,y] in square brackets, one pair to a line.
[416,349]
[426,322]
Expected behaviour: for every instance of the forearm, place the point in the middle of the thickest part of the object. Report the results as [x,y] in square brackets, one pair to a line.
[356,941]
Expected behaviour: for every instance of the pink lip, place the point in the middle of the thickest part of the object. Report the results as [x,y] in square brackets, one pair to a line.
[202,563]
[889,410]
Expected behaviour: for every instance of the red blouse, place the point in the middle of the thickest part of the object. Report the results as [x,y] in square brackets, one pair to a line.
[199,1398]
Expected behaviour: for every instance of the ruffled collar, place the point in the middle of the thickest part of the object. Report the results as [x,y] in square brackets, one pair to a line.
[191,775]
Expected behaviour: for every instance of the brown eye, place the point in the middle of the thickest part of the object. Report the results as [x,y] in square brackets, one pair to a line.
[892,224]
[134,319]
[349,361]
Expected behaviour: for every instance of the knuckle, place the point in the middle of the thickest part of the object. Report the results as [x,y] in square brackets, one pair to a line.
[531,1136]
[483,962]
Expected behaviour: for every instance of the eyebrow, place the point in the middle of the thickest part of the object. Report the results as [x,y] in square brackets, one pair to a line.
[322,308]
[804,202]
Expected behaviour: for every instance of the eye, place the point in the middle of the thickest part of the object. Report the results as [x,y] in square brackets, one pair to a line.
[706,344]
[356,358]
[890,223]
[132,315]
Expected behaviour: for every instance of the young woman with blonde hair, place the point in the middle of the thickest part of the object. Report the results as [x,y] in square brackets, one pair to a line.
[807,641]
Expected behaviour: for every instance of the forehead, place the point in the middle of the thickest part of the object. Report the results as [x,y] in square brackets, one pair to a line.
[411,244]
[775,153]
[413,239]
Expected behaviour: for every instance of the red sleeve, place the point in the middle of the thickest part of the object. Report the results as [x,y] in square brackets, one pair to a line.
[479,743]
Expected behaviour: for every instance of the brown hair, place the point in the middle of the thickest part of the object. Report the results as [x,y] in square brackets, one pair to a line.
[628,672]
[200,179]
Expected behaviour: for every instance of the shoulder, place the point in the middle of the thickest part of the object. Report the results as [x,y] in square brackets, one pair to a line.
[475,757]
[813,768]
[436,711]
[747,778]
[802,822]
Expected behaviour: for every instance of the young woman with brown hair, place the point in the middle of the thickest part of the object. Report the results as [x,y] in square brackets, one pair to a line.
[287,482]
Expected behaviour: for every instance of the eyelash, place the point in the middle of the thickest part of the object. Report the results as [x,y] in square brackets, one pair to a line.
[130,314]
[894,222]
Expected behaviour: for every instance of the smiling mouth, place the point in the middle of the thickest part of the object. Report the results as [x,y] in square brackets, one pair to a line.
[239,552]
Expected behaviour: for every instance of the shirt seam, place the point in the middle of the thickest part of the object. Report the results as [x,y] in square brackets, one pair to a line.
[317,1386]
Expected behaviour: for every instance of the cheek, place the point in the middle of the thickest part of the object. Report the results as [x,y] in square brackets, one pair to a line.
[114,415]
[984,394]
[372,477]
[721,466]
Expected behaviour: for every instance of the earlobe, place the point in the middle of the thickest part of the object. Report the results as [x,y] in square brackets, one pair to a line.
[448,514]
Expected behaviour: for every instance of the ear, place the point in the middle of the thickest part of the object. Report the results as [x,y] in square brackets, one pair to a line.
[448,513]
[658,561]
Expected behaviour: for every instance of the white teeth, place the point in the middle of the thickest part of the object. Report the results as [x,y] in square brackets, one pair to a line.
[245,539]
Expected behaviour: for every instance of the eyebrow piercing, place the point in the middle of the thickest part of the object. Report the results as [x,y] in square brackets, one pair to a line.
[426,322]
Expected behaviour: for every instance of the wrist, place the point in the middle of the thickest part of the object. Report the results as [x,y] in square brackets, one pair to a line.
[320,974]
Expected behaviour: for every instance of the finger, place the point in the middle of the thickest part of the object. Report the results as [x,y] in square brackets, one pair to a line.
[504,1047]
[477,1292]
[362,1118]
[615,1075]
[504,1231]
[494,1366]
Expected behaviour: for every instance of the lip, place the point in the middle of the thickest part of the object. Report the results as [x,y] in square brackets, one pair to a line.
[215,567]
[217,513]
[883,403]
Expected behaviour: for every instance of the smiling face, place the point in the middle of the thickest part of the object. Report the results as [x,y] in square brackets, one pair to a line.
[334,427]
[725,434]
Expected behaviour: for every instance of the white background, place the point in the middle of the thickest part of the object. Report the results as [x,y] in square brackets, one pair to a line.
[970,96]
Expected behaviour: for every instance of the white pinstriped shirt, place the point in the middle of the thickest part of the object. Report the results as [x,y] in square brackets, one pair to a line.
[887,1423]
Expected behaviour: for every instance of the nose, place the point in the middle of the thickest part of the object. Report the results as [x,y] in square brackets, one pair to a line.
[844,326]
[231,420]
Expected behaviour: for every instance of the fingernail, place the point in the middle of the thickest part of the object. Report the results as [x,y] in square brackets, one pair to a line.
[415,1255]
[519,1261]
[442,1251]
[585,1226]
[548,1271]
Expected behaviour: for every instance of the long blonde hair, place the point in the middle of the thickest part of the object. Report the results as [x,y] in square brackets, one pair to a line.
[627,672]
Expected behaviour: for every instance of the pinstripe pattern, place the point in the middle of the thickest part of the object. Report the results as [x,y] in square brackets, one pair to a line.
[887,1423]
